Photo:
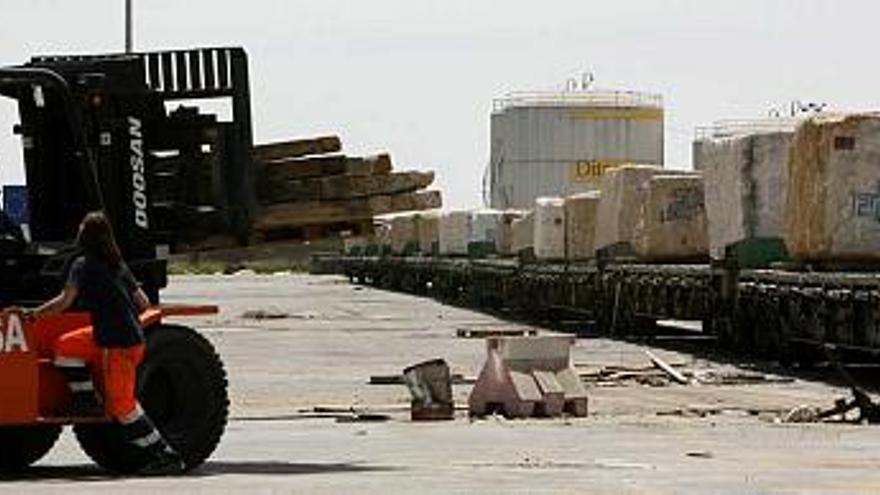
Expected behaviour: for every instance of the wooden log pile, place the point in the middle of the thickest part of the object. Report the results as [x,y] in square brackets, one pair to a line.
[309,185]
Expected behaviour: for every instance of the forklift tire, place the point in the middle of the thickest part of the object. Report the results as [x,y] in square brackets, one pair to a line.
[183,389]
[21,446]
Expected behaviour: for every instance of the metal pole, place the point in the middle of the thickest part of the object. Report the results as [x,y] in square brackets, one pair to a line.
[129,41]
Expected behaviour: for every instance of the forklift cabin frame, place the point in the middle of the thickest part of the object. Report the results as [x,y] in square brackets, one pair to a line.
[105,116]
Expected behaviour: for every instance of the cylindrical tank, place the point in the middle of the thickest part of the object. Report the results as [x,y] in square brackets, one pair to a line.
[558,144]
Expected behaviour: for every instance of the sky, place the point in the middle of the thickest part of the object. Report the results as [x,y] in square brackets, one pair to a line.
[416,78]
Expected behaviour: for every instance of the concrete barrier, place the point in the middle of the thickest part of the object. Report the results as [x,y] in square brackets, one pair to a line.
[528,376]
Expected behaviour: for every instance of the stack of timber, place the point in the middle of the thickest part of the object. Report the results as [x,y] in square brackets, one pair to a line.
[309,189]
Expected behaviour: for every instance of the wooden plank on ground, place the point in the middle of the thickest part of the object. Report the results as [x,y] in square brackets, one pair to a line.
[288,215]
[320,166]
[297,148]
[669,370]
[345,187]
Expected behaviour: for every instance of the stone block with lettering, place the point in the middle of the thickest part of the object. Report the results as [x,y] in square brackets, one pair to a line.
[672,225]
[833,207]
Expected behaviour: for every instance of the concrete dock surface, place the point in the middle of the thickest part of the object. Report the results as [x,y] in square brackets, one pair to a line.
[300,351]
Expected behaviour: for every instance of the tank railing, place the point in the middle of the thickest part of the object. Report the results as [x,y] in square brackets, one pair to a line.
[732,128]
[600,98]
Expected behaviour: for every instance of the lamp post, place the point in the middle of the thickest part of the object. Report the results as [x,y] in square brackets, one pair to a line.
[129,38]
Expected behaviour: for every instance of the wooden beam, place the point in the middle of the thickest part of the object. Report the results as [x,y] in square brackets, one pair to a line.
[345,187]
[669,370]
[320,166]
[296,148]
[287,215]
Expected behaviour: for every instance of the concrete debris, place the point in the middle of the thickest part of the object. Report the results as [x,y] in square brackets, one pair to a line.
[868,411]
[715,377]
[528,376]
[653,376]
[802,414]
[704,411]
[430,384]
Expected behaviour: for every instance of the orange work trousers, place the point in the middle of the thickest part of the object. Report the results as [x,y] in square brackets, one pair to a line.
[115,368]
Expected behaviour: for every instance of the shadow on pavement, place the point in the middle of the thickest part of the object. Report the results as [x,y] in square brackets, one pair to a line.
[77,472]
[91,472]
[276,468]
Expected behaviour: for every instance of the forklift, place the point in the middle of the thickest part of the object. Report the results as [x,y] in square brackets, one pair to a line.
[119,133]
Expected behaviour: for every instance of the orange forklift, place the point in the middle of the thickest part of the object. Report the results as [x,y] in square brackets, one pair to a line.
[102,132]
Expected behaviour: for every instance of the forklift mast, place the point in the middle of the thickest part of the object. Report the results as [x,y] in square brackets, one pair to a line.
[115,132]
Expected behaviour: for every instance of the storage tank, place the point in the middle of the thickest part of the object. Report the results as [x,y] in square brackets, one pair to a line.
[561,143]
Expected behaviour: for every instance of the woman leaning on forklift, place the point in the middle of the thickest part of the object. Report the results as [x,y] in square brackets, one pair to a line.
[101,283]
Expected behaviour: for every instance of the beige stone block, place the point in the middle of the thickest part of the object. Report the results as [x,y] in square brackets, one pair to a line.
[581,213]
[621,203]
[672,225]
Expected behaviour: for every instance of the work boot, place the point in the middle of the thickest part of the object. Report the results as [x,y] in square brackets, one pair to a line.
[166,463]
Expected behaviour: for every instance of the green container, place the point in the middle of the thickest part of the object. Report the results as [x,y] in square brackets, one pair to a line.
[758,252]
[481,249]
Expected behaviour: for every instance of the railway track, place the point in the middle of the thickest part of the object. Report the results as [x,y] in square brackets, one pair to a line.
[791,315]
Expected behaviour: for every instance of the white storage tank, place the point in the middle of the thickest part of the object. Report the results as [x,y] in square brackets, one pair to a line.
[559,144]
